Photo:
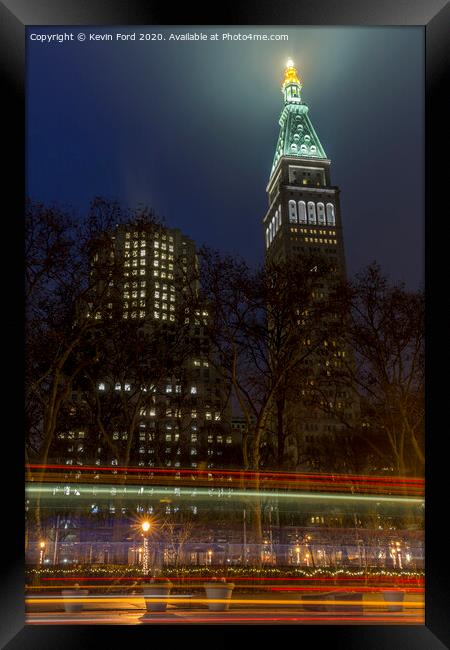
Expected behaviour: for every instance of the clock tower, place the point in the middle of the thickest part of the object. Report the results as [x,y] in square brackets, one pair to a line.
[304,212]
[304,220]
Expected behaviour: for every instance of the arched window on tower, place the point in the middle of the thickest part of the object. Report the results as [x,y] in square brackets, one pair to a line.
[279,215]
[267,238]
[331,221]
[311,212]
[301,212]
[321,214]
[275,222]
[292,212]
[271,231]
[303,149]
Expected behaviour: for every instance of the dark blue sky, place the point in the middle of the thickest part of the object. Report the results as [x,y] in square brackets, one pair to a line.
[190,128]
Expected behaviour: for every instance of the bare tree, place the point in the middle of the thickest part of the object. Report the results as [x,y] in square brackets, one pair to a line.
[264,325]
[385,331]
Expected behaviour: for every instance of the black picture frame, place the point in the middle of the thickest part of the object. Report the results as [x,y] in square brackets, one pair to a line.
[434,16]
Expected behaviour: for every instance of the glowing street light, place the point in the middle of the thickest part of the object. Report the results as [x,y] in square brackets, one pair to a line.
[297,550]
[145,528]
[41,553]
[210,556]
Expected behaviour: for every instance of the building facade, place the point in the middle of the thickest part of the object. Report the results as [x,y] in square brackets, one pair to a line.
[304,219]
[179,416]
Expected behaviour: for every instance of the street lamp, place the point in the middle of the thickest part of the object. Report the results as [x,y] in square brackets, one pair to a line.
[41,553]
[210,556]
[145,528]
[297,550]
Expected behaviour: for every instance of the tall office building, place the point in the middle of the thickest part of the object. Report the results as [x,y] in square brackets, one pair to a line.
[183,419]
[304,218]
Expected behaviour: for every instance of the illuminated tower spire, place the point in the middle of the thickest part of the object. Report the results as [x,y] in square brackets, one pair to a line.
[297,136]
[292,85]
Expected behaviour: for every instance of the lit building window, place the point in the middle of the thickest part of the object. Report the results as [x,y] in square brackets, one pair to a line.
[311,212]
[321,214]
[193,390]
[101,386]
[117,387]
[292,212]
[330,214]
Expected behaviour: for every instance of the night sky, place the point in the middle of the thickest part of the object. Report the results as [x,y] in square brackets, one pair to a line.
[190,128]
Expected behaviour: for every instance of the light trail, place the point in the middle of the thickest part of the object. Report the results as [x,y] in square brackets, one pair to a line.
[235,601]
[310,482]
[263,485]
[88,491]
[219,473]
[397,580]
[232,618]
[356,589]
